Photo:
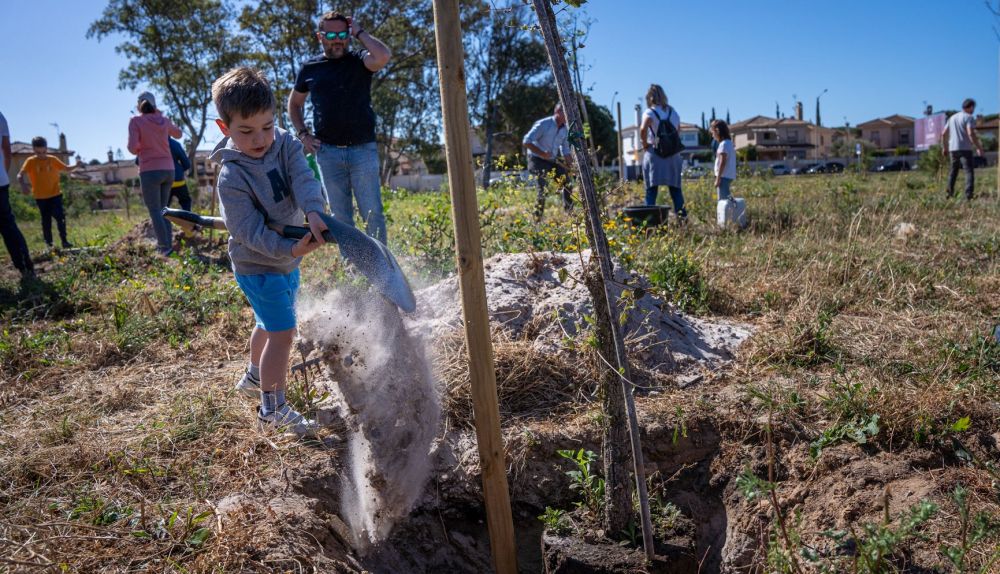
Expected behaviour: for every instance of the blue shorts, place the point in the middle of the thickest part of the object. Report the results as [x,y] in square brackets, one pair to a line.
[272,296]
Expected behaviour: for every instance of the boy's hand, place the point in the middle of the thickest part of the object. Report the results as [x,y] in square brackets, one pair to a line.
[305,246]
[317,226]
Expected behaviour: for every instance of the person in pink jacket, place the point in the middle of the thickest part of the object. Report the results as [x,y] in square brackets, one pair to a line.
[148,138]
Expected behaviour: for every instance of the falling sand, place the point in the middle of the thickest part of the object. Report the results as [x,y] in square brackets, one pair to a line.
[387,396]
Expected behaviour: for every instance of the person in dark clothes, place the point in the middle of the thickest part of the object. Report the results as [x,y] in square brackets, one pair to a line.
[181,165]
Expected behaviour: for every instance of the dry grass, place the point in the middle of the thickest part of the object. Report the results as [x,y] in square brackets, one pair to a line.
[115,410]
[531,384]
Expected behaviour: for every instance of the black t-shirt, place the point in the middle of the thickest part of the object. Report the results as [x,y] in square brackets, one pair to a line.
[341,91]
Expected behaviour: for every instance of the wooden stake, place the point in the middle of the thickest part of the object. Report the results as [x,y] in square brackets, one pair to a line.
[599,244]
[468,246]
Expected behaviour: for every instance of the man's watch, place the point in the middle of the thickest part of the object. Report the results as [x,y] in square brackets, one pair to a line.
[357,36]
[299,133]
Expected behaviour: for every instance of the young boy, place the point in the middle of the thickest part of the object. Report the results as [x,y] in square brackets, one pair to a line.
[264,178]
[40,176]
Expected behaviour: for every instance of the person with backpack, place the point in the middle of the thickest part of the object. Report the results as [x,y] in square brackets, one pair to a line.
[660,136]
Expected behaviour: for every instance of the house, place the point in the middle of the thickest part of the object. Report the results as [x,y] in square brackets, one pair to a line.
[783,138]
[987,129]
[889,133]
[21,151]
[111,172]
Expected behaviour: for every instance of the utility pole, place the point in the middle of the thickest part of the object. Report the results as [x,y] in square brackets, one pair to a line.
[469,257]
[621,158]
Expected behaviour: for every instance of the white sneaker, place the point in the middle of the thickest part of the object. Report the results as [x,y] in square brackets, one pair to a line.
[248,386]
[288,420]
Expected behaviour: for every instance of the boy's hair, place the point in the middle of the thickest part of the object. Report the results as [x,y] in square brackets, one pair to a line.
[722,127]
[968,103]
[244,91]
[655,96]
[39,142]
[146,107]
[333,16]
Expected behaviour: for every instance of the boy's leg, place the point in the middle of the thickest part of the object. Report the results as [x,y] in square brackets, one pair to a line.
[274,361]
[183,196]
[722,192]
[336,181]
[60,216]
[365,181]
[45,208]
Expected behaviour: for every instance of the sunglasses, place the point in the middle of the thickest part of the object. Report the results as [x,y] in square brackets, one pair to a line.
[336,35]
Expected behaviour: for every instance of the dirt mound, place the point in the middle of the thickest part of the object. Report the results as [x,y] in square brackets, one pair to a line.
[540,297]
[141,234]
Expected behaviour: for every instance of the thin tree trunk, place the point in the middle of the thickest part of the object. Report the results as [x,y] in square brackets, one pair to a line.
[605,306]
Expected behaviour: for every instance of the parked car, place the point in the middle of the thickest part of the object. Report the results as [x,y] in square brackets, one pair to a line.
[509,177]
[779,169]
[827,167]
[695,172]
[894,165]
[804,168]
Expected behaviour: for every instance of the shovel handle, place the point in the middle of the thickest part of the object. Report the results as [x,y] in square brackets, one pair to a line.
[298,232]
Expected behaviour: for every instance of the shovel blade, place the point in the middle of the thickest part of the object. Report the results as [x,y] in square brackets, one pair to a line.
[374,260]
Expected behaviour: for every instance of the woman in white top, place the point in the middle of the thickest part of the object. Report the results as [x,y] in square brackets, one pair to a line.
[656,170]
[725,159]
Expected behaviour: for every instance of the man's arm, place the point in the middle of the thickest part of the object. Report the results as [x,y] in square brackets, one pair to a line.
[944,139]
[378,53]
[974,138]
[531,137]
[296,113]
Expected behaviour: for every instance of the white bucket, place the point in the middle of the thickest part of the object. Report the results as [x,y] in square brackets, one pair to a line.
[732,212]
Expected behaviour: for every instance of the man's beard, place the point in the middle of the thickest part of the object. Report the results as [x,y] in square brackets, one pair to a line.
[334,51]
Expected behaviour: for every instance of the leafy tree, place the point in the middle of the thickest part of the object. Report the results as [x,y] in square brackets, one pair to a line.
[281,36]
[177,48]
[504,55]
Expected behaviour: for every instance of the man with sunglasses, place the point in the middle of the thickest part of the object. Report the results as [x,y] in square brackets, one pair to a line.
[339,83]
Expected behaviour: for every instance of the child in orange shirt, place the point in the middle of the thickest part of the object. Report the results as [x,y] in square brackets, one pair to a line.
[40,176]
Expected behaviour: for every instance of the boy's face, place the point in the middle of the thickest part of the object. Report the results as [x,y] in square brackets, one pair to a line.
[253,136]
[40,150]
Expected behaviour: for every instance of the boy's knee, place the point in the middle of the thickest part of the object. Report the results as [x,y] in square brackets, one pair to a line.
[283,337]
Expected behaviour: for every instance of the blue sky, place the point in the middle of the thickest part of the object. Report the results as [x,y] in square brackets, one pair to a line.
[876,58]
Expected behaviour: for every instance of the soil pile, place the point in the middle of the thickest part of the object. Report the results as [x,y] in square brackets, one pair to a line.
[540,297]
[386,395]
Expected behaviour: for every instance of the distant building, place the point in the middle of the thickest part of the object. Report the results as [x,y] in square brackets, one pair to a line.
[783,139]
[111,172]
[889,133]
[987,129]
[632,150]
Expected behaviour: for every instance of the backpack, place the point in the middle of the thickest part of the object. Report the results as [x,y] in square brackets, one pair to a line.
[668,141]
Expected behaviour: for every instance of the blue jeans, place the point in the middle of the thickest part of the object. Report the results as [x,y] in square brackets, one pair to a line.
[675,196]
[353,170]
[156,195]
[722,192]
[17,247]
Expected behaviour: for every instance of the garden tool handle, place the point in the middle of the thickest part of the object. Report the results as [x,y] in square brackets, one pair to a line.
[298,232]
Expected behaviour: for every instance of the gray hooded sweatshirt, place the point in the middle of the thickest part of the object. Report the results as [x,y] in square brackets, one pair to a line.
[279,186]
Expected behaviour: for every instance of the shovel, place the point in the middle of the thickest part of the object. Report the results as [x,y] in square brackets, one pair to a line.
[369,255]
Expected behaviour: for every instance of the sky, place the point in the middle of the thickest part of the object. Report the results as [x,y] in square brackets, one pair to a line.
[876,58]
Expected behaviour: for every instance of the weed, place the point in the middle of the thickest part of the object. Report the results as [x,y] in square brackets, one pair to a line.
[590,485]
[556,521]
[974,531]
